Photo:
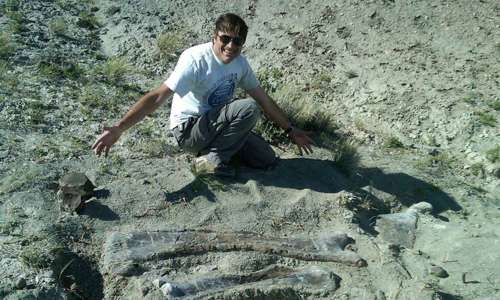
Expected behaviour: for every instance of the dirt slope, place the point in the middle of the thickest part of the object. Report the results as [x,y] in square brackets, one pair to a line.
[413,84]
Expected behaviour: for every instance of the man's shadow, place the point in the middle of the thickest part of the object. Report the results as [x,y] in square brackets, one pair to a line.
[325,177]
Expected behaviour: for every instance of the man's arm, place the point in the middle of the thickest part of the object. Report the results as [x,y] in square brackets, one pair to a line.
[271,109]
[145,106]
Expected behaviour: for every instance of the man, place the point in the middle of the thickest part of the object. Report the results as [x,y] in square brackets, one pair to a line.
[204,119]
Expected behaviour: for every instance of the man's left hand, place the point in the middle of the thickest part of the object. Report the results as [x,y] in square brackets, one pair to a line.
[302,139]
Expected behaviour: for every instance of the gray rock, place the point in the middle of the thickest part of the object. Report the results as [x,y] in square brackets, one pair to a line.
[438,271]
[72,188]
[422,207]
[398,228]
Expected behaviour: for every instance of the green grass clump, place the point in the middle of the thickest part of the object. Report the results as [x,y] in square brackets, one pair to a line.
[36,111]
[477,169]
[11,6]
[486,119]
[12,9]
[88,20]
[35,257]
[393,142]
[270,78]
[98,99]
[94,97]
[320,81]
[7,45]
[115,70]
[300,107]
[58,26]
[495,105]
[62,70]
[437,164]
[345,156]
[493,155]
[168,43]
[469,99]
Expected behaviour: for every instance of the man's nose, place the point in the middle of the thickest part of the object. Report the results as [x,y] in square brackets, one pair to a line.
[231,44]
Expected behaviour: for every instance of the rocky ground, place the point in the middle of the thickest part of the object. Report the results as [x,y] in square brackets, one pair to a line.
[403,97]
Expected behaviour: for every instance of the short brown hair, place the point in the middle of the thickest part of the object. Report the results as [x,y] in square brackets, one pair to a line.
[231,23]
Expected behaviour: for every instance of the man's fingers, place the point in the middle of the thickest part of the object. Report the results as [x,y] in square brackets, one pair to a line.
[309,149]
[300,150]
[95,144]
[98,150]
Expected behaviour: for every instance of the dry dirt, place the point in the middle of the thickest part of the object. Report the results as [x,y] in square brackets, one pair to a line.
[415,84]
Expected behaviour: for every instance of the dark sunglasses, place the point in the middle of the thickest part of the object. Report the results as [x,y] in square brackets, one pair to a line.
[226,39]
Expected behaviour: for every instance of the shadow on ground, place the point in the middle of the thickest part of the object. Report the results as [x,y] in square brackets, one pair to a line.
[99,211]
[78,276]
[323,176]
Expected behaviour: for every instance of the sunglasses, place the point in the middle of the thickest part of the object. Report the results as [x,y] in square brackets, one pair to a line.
[226,39]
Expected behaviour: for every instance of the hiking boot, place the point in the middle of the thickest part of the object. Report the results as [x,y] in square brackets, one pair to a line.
[203,166]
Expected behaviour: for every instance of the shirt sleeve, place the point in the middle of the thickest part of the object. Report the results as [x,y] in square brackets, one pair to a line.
[183,77]
[248,80]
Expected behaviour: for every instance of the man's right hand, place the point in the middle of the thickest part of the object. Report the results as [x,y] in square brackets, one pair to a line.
[107,139]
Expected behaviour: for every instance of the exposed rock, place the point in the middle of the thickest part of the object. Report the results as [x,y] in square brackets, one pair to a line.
[73,188]
[438,271]
[421,207]
[398,228]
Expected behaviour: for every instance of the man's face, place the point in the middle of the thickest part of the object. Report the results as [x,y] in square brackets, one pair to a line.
[227,46]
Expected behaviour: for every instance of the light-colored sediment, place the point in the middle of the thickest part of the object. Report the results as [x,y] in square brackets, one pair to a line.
[414,83]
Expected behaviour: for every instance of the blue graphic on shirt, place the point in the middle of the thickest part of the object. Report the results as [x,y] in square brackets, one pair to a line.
[223,91]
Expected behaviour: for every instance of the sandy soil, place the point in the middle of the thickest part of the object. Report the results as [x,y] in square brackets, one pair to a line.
[413,84]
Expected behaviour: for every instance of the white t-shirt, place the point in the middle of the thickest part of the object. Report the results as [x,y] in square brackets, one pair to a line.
[201,81]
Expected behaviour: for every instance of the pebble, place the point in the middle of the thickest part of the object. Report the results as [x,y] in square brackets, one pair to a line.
[438,272]
[422,207]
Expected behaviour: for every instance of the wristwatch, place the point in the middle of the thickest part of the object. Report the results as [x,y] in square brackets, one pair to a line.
[289,129]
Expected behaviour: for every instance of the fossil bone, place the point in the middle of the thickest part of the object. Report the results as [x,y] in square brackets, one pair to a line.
[139,247]
[273,278]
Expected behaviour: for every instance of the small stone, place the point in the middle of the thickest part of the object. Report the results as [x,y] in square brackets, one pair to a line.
[438,272]
[167,289]
[77,181]
[422,207]
[72,188]
[20,283]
